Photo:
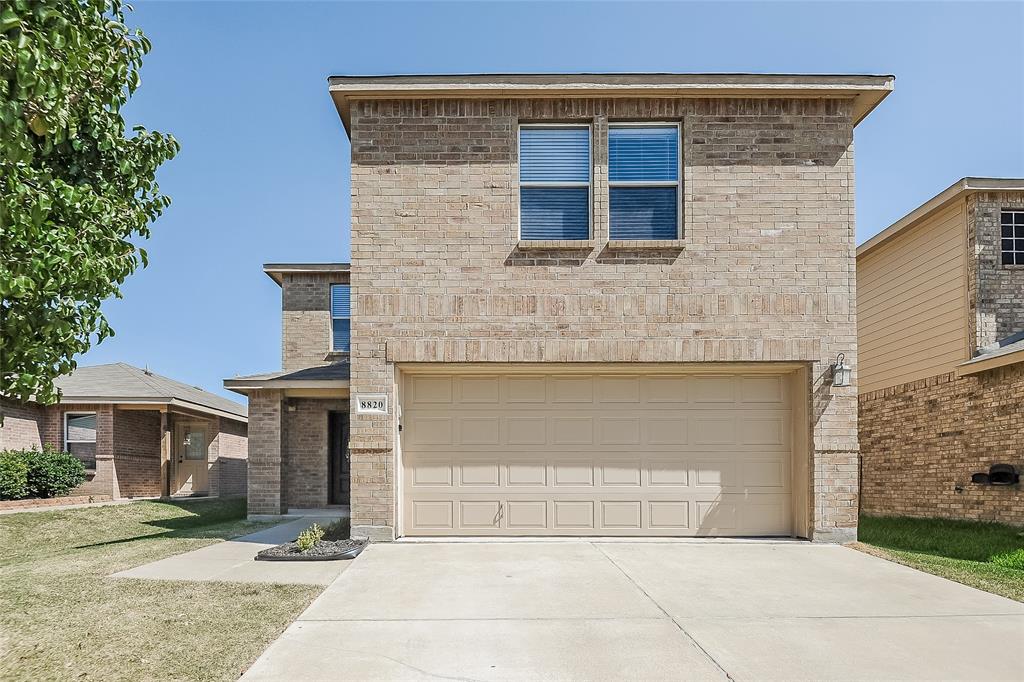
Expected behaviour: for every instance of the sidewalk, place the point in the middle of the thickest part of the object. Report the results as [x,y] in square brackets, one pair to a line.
[232,560]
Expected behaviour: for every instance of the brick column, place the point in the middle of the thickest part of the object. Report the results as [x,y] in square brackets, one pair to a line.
[265,453]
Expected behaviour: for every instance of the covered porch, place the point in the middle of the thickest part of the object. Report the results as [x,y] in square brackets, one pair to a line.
[298,439]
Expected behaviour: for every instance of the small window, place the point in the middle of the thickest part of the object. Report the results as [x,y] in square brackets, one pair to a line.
[80,436]
[554,182]
[643,181]
[341,318]
[1012,226]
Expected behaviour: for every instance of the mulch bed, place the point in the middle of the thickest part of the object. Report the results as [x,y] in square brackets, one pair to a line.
[325,550]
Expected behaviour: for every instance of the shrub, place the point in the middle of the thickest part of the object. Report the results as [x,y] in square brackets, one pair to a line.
[51,473]
[309,537]
[1010,560]
[13,476]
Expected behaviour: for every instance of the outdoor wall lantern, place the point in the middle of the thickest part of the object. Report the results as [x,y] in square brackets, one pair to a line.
[841,371]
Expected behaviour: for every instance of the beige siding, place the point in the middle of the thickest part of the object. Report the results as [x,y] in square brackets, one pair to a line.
[912,302]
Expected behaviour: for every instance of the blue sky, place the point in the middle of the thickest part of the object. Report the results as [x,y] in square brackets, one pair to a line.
[263,171]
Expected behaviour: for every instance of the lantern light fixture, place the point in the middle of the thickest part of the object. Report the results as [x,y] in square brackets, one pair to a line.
[841,371]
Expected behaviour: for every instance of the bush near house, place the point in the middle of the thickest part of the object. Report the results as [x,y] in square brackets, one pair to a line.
[38,473]
[13,476]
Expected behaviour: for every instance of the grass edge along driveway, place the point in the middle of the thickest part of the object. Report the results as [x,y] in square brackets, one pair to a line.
[62,617]
[986,556]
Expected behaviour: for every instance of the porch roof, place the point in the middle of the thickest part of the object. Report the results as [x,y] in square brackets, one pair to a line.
[335,375]
[122,383]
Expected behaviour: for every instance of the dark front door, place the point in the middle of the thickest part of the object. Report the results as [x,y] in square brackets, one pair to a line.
[337,456]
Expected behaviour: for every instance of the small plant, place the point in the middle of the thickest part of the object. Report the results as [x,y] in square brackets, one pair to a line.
[309,537]
[13,476]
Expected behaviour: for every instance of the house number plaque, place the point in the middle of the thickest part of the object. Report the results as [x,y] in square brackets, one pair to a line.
[372,404]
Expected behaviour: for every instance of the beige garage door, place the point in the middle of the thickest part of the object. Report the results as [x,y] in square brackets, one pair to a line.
[596,454]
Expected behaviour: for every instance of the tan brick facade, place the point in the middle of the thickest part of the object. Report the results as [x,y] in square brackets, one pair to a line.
[920,443]
[996,291]
[765,272]
[306,319]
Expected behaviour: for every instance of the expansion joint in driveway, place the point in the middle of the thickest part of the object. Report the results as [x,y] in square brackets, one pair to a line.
[686,634]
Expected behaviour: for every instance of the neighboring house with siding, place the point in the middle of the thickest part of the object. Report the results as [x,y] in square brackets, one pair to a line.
[940,316]
[580,305]
[139,434]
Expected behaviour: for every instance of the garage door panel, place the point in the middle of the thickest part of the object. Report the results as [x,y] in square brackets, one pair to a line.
[597,455]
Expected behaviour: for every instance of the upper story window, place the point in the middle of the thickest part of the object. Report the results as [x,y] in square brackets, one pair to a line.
[554,182]
[643,181]
[80,436]
[1012,225]
[341,318]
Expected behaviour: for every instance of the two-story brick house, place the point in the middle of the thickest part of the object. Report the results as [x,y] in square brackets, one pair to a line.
[941,330]
[583,305]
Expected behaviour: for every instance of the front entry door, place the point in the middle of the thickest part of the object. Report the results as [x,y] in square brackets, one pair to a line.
[191,465]
[338,459]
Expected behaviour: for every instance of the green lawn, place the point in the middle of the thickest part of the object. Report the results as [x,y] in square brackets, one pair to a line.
[988,556]
[61,617]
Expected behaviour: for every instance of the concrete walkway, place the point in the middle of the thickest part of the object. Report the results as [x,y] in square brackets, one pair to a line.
[232,560]
[611,611]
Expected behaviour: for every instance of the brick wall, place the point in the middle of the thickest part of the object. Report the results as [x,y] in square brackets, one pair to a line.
[767,271]
[137,452]
[306,319]
[264,481]
[23,426]
[996,290]
[304,454]
[920,443]
[233,451]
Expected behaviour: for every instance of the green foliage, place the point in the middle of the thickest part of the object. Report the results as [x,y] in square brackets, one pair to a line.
[13,476]
[968,540]
[309,537]
[75,191]
[48,473]
[1013,560]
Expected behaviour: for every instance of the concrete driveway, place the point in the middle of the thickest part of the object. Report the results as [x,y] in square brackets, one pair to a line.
[646,610]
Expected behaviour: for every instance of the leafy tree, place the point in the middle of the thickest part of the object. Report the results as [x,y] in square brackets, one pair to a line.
[76,192]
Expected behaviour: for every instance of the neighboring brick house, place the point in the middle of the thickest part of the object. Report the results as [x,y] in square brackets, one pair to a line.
[941,333]
[139,434]
[581,305]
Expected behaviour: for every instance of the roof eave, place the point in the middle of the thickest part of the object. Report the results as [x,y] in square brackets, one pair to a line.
[243,386]
[866,90]
[961,188]
[277,271]
[170,402]
[984,363]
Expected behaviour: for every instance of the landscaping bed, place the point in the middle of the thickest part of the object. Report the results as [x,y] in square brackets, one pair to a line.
[986,556]
[317,544]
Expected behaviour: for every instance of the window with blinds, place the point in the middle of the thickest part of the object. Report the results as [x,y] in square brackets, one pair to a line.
[554,182]
[643,181]
[341,318]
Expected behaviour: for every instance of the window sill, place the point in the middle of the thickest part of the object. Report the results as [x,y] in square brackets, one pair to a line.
[336,355]
[646,243]
[556,243]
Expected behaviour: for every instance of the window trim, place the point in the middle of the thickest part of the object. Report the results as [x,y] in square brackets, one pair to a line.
[589,184]
[332,318]
[78,414]
[1016,253]
[677,183]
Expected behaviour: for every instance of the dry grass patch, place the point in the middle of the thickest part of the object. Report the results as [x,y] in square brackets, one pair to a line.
[62,617]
